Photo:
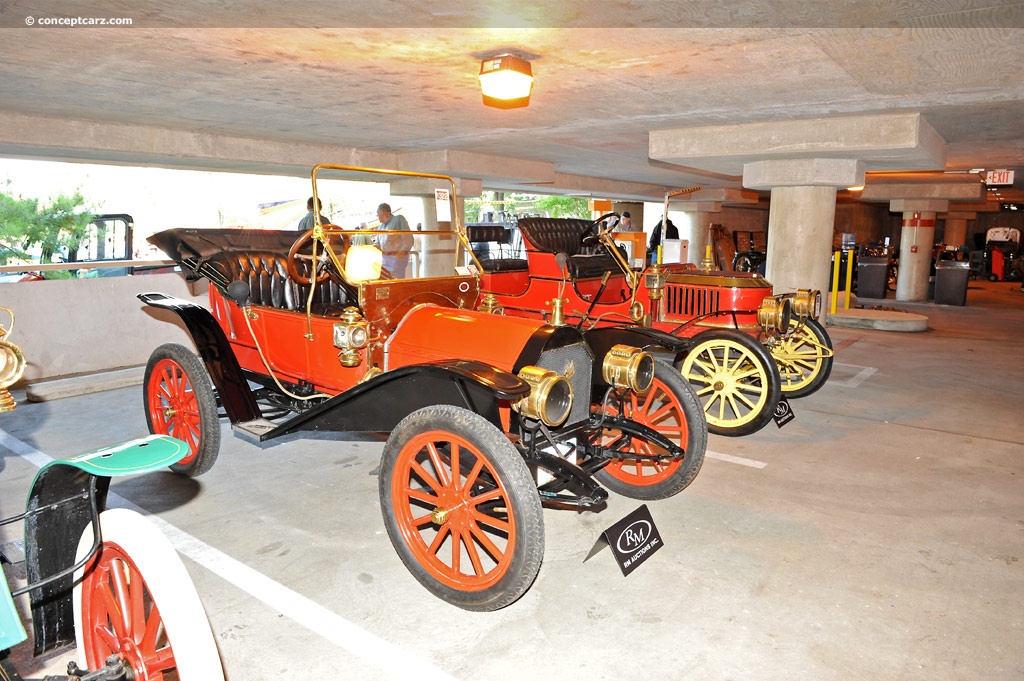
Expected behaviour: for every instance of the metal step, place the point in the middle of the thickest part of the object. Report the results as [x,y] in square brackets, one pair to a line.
[13,552]
[253,429]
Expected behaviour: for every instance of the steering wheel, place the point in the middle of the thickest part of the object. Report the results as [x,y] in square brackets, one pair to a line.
[591,235]
[295,255]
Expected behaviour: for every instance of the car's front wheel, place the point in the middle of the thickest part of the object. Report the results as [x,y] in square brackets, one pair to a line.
[461,508]
[804,358]
[736,380]
[670,407]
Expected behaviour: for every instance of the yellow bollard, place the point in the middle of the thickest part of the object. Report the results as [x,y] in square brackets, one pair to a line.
[836,261]
[849,278]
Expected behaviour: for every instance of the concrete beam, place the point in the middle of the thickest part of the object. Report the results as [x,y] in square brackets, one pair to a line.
[471,164]
[987,207]
[949,191]
[64,139]
[565,183]
[425,186]
[959,215]
[696,206]
[918,206]
[803,172]
[883,141]
[726,195]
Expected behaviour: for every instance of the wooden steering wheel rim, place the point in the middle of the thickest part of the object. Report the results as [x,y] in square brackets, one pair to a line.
[293,256]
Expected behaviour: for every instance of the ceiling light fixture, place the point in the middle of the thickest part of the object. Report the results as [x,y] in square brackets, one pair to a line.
[506,81]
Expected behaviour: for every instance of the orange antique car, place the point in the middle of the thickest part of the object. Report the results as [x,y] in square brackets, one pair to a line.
[742,347]
[350,328]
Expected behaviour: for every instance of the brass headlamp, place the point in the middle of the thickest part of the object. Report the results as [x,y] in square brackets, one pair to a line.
[628,367]
[775,313]
[350,335]
[550,397]
[806,303]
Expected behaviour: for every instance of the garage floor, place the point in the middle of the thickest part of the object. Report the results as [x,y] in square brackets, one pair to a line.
[880,535]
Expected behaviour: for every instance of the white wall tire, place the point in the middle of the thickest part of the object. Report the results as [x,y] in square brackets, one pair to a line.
[134,551]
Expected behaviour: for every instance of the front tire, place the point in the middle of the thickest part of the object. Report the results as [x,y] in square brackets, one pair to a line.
[135,599]
[735,379]
[671,407]
[461,508]
[804,358]
[179,401]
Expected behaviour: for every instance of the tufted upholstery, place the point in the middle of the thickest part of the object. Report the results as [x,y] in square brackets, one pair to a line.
[479,234]
[269,284]
[565,235]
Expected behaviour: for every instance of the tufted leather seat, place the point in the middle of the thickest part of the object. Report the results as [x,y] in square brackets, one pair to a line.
[479,234]
[565,235]
[269,284]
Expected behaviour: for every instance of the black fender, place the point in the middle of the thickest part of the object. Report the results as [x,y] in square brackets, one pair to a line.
[233,390]
[658,343]
[61,504]
[377,405]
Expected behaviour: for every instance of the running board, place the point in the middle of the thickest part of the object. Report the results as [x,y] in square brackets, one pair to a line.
[254,429]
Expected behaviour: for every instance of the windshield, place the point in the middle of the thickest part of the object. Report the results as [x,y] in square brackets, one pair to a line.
[384,224]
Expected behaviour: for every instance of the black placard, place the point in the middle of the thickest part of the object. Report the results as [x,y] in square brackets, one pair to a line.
[632,540]
[783,413]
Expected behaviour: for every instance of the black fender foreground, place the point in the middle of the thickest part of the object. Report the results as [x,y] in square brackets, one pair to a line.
[376,405]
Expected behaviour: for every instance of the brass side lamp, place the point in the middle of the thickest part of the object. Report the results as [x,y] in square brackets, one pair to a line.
[12,365]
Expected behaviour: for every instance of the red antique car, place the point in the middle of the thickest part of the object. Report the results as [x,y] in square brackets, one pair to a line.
[746,348]
[489,416]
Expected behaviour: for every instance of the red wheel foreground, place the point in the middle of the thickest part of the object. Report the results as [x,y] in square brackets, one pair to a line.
[672,408]
[461,508]
[134,598]
[179,402]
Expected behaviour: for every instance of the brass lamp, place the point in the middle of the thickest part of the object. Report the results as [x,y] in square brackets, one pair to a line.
[12,366]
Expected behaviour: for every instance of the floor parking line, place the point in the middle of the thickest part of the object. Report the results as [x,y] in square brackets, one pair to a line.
[864,374]
[372,649]
[753,463]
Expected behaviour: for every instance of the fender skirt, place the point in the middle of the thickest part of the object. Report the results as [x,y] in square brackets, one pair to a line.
[64,498]
[233,391]
[381,402]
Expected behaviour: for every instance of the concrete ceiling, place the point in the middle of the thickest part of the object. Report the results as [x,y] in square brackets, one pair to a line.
[181,87]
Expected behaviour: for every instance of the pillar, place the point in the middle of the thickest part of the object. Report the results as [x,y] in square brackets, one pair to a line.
[916,240]
[702,214]
[801,219]
[955,233]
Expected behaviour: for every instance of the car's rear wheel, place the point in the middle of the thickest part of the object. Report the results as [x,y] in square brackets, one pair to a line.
[736,380]
[134,599]
[179,401]
[461,508]
[804,358]
[670,407]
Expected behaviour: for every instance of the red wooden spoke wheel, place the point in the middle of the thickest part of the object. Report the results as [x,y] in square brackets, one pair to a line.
[179,401]
[461,508]
[670,407]
[134,598]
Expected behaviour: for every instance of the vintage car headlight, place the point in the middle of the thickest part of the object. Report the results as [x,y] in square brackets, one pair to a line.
[774,313]
[350,335]
[550,397]
[807,303]
[627,367]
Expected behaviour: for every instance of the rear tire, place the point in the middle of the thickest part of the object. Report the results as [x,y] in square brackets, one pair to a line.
[461,508]
[179,401]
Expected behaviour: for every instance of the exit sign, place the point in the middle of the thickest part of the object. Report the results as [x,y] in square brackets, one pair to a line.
[1000,177]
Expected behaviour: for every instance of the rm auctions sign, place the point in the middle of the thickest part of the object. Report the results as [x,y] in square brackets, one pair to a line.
[999,177]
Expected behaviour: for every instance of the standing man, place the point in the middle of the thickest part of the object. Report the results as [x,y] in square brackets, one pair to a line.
[307,222]
[395,247]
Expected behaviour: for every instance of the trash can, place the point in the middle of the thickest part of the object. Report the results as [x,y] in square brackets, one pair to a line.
[872,276]
[951,282]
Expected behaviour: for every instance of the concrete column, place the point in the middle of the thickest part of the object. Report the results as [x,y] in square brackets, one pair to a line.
[955,233]
[802,215]
[702,214]
[916,240]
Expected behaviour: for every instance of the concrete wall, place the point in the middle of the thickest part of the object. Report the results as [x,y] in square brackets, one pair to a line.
[82,326]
